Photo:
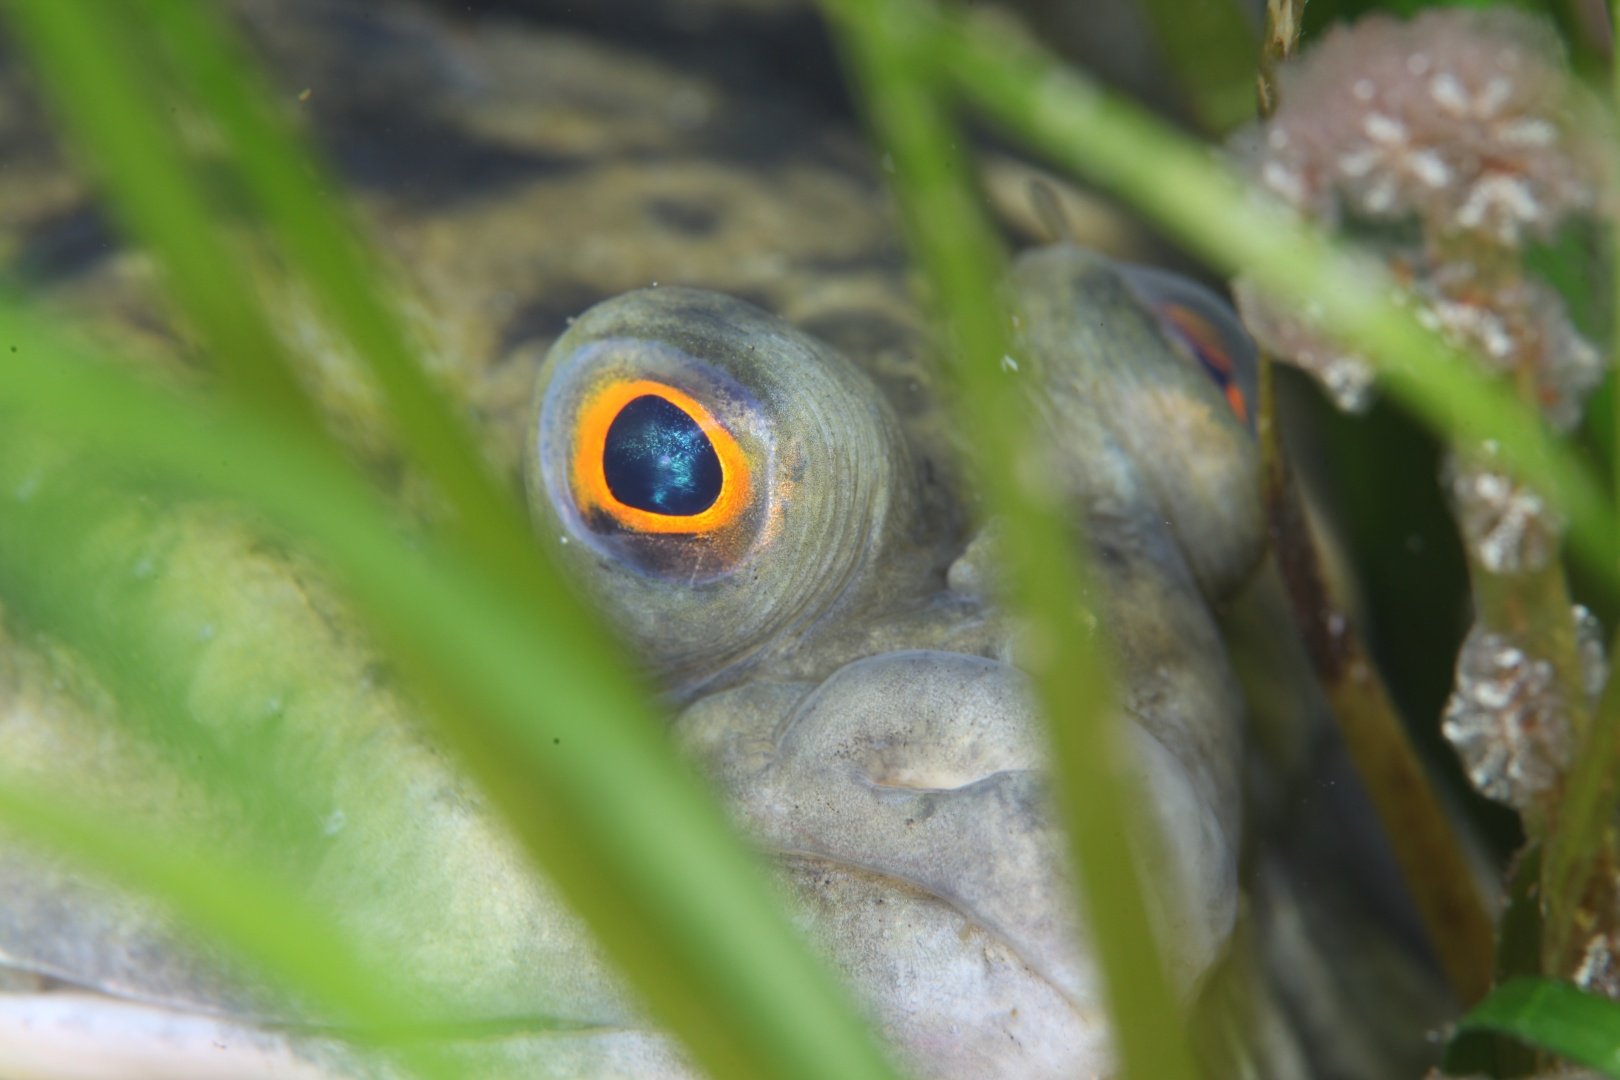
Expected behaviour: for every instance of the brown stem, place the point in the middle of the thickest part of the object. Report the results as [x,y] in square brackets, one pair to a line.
[1581,863]
[1425,844]
[1284,19]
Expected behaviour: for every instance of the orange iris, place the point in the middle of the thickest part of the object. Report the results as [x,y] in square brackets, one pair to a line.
[591,491]
[1206,342]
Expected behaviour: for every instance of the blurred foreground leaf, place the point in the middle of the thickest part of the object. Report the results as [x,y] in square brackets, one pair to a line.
[952,240]
[1554,1016]
[528,688]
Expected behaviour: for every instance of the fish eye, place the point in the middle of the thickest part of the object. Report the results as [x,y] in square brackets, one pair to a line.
[656,459]
[713,478]
[1205,331]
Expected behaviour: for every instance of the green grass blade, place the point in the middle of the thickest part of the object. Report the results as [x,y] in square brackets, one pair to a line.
[324,251]
[551,725]
[106,94]
[952,241]
[656,872]
[1554,1016]
[1580,837]
[1204,205]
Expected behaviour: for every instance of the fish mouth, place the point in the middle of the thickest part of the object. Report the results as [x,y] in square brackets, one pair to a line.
[906,800]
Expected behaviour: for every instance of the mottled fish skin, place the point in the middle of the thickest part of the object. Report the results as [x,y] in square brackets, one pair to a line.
[873,733]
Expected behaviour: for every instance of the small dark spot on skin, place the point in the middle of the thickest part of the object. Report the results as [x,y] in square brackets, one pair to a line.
[688,217]
[1110,556]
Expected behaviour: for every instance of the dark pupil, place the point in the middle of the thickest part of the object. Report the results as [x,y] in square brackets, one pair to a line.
[657,459]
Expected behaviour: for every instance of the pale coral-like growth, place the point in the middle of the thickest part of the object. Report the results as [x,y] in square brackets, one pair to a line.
[1593,653]
[1506,717]
[1506,720]
[1466,123]
[1462,117]
[1599,972]
[1518,323]
[1509,528]
[1346,376]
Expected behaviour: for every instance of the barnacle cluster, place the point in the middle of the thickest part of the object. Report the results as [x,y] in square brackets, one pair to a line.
[1507,718]
[1296,336]
[1507,525]
[1599,970]
[1461,134]
[1461,116]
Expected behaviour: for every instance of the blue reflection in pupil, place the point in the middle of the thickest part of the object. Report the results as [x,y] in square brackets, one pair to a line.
[657,459]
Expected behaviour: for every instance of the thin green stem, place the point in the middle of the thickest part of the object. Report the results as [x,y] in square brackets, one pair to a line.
[322,246]
[1582,848]
[953,243]
[1284,22]
[107,95]
[1614,265]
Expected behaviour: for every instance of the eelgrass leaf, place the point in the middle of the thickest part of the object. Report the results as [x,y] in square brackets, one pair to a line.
[108,94]
[323,249]
[950,238]
[637,847]
[1555,1016]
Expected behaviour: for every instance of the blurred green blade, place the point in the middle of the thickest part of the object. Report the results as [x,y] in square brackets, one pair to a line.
[551,725]
[250,912]
[951,239]
[1183,188]
[637,847]
[105,92]
[1555,1016]
[321,246]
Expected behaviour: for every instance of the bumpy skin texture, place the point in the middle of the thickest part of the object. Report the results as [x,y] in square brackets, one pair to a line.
[876,740]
